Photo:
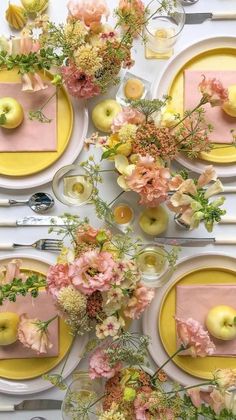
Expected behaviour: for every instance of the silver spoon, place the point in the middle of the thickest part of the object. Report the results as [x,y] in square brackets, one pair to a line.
[39,202]
[185,226]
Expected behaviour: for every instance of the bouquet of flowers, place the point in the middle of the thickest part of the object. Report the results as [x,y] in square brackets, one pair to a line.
[96,284]
[132,391]
[146,137]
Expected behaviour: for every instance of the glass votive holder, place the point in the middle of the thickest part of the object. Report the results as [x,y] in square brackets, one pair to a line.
[72,185]
[82,393]
[154,266]
[163,29]
[132,87]
[123,214]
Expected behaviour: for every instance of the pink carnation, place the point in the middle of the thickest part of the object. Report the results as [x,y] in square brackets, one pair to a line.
[93,271]
[89,11]
[57,278]
[149,181]
[141,298]
[99,365]
[193,337]
[128,115]
[78,83]
[213,91]
[32,335]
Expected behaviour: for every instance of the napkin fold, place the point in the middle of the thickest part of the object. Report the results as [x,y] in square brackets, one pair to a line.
[42,308]
[221,122]
[30,136]
[195,302]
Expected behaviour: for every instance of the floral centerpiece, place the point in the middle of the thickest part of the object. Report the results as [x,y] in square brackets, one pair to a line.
[145,138]
[96,284]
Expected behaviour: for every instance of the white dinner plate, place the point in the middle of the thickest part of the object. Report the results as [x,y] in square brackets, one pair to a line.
[31,386]
[72,151]
[163,81]
[151,315]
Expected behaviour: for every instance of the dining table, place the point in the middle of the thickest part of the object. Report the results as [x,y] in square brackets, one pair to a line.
[151,70]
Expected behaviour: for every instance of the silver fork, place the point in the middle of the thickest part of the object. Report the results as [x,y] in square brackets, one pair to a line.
[51,245]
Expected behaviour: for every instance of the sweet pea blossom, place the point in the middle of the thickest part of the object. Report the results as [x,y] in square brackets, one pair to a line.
[214,398]
[33,334]
[99,365]
[13,271]
[128,115]
[89,11]
[92,271]
[193,337]
[213,91]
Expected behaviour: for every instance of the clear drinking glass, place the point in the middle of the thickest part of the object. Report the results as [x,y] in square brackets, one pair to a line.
[154,266]
[81,393]
[163,29]
[72,185]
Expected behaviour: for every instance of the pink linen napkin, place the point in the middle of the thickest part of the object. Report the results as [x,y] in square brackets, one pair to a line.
[221,122]
[195,302]
[42,308]
[30,136]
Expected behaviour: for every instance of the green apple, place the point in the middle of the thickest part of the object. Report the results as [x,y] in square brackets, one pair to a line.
[230,106]
[154,220]
[221,322]
[104,113]
[8,328]
[11,113]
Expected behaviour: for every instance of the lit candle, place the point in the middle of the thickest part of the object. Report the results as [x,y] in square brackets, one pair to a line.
[123,214]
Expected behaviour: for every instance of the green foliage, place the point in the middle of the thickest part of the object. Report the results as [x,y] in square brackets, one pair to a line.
[148,106]
[32,284]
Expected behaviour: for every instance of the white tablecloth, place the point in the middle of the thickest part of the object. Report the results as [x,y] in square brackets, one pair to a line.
[148,69]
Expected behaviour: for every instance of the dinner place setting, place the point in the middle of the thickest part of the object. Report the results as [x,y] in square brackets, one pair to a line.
[117,210]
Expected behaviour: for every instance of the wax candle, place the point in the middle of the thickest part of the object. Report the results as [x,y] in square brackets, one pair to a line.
[123,214]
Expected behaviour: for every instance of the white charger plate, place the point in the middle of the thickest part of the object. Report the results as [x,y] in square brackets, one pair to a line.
[163,81]
[151,315]
[31,386]
[72,151]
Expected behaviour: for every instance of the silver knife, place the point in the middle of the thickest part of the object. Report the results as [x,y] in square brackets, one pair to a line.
[193,18]
[33,405]
[35,221]
[174,241]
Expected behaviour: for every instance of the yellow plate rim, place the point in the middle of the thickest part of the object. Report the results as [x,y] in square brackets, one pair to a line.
[205,156]
[189,371]
[71,110]
[55,360]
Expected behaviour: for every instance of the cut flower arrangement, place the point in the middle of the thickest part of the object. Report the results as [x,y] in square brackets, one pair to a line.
[146,137]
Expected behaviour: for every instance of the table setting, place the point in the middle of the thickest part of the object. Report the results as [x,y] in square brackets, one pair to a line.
[117,210]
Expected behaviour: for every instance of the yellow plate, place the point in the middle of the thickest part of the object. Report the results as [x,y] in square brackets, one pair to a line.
[21,369]
[199,367]
[28,163]
[220,59]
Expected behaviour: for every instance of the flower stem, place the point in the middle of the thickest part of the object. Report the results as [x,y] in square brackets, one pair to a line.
[168,360]
[190,387]
[203,101]
[46,323]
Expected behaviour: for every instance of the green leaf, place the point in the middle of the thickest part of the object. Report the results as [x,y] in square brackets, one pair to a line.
[3,119]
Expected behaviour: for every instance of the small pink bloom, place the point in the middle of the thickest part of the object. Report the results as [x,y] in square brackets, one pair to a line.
[78,83]
[207,176]
[38,82]
[213,91]
[32,83]
[89,11]
[194,394]
[213,398]
[57,278]
[32,336]
[27,85]
[99,365]
[128,115]
[176,182]
[28,45]
[93,271]
[149,181]
[86,234]
[141,298]
[13,271]
[192,336]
